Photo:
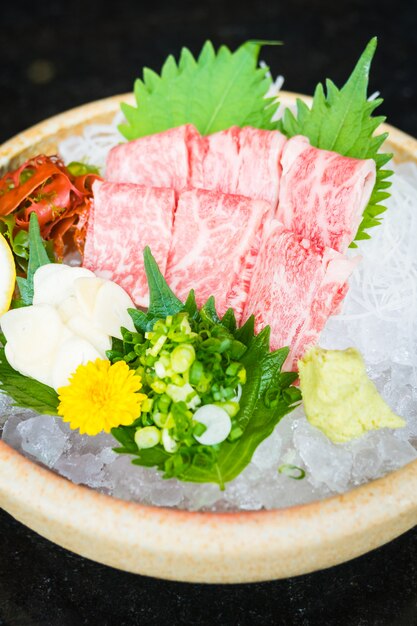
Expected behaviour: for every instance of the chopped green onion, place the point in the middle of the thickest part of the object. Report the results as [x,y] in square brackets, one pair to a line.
[235,433]
[160,419]
[199,429]
[130,356]
[228,393]
[232,408]
[147,437]
[147,405]
[154,351]
[238,349]
[292,471]
[196,372]
[159,386]
[182,357]
[212,345]
[160,369]
[147,420]
[164,403]
[233,368]
[169,443]
[178,380]
[186,365]
[185,393]
[127,336]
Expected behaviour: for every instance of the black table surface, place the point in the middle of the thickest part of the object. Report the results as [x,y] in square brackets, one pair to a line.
[57,55]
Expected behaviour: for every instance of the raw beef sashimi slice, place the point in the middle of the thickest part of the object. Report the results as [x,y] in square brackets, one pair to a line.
[159,160]
[295,287]
[213,233]
[323,194]
[238,293]
[214,161]
[243,161]
[260,167]
[125,219]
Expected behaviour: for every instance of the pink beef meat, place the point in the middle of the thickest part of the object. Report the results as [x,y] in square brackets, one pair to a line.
[238,293]
[126,218]
[243,161]
[213,234]
[295,286]
[159,160]
[214,161]
[322,194]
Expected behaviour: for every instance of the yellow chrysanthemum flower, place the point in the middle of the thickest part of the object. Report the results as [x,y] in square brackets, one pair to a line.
[101,396]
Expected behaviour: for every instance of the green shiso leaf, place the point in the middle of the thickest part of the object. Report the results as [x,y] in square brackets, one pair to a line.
[37,257]
[342,120]
[190,305]
[267,395]
[162,301]
[260,420]
[26,392]
[229,320]
[215,91]
[208,312]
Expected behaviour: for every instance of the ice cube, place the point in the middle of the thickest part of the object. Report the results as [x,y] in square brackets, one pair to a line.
[10,434]
[197,497]
[267,453]
[85,469]
[395,452]
[327,463]
[43,439]
[167,493]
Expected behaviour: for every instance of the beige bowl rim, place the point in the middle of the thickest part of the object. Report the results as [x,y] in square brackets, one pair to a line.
[192,546]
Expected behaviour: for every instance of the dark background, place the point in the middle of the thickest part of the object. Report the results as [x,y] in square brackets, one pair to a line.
[56,55]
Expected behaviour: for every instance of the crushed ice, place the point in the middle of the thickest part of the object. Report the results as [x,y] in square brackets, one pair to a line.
[379,317]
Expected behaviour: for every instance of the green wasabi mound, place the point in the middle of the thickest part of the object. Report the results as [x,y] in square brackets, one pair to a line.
[339,398]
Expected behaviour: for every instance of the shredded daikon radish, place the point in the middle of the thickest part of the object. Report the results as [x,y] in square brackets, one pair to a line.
[94,144]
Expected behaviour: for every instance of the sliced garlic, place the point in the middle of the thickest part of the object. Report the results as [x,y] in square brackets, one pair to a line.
[86,289]
[110,309]
[72,319]
[33,331]
[40,369]
[33,335]
[54,282]
[68,308]
[86,329]
[71,353]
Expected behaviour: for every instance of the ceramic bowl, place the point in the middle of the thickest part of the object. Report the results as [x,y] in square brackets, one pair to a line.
[190,546]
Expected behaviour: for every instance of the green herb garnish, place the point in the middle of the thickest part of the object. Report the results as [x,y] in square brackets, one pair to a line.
[19,243]
[341,120]
[81,169]
[214,358]
[292,471]
[38,256]
[215,91]
[26,392]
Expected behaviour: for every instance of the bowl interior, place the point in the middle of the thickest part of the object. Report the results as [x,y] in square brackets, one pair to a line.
[197,546]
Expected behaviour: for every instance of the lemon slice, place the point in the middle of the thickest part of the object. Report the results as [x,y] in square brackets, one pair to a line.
[7,275]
